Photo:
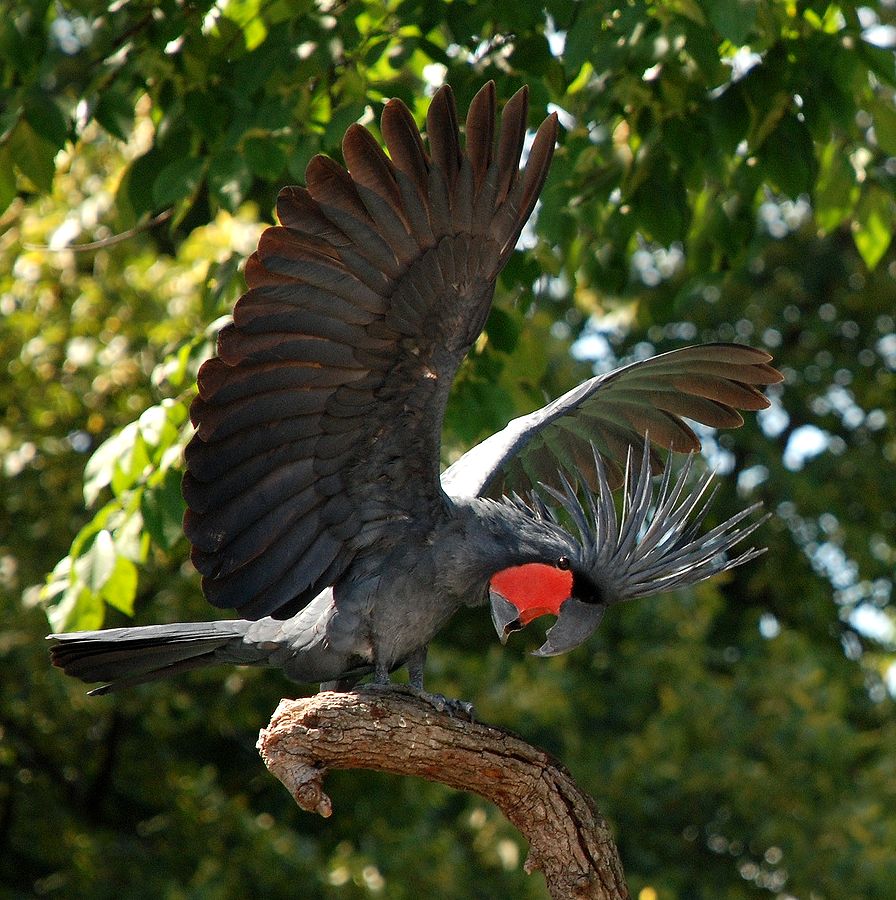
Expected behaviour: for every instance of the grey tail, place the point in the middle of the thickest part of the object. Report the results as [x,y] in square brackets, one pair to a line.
[128,656]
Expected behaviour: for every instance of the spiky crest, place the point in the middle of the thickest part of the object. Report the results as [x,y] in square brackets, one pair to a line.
[655,544]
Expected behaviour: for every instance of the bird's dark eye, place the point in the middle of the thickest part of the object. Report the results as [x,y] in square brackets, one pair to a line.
[563,563]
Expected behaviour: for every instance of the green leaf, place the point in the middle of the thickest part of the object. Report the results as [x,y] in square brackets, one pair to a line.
[660,206]
[229,179]
[100,468]
[134,197]
[702,46]
[160,424]
[132,465]
[885,126]
[246,14]
[503,330]
[174,368]
[131,541]
[300,155]
[115,112]
[582,37]
[266,158]
[209,110]
[872,229]
[836,189]
[222,281]
[341,118]
[7,179]
[89,531]
[532,54]
[120,587]
[95,567]
[57,581]
[788,157]
[78,609]
[729,117]
[108,459]
[880,60]
[732,19]
[177,180]
[46,118]
[34,156]
[163,510]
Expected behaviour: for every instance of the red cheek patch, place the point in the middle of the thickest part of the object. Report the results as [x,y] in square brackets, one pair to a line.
[535,589]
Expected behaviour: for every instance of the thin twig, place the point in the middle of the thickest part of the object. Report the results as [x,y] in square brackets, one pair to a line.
[105,242]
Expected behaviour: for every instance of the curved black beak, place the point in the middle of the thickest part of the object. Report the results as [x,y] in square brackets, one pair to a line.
[576,623]
[505,616]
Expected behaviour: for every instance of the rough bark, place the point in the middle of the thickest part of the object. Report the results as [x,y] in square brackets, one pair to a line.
[393,731]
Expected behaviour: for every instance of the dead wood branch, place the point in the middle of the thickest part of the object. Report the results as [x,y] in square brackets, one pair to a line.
[392,731]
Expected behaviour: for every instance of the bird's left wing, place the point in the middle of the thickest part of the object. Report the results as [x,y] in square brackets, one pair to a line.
[318,423]
[613,413]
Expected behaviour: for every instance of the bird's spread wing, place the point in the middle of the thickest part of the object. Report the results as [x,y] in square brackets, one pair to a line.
[614,412]
[318,423]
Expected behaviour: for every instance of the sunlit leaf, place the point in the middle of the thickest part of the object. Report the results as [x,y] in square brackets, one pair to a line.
[132,466]
[873,227]
[101,466]
[95,566]
[120,588]
[160,428]
[131,538]
[78,609]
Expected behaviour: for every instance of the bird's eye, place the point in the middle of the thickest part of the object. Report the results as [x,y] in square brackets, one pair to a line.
[563,563]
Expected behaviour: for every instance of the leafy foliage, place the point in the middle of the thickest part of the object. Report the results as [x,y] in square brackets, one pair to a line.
[726,173]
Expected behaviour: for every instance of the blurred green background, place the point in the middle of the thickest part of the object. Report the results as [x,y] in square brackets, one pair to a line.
[726,171]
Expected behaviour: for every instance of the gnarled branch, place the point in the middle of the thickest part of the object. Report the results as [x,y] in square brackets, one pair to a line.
[398,732]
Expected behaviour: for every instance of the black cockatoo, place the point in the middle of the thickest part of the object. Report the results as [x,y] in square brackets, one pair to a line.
[315,504]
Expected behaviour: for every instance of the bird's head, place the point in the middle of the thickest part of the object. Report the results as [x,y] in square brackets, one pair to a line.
[655,545]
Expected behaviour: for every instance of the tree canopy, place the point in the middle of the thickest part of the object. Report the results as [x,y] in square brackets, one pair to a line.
[726,171]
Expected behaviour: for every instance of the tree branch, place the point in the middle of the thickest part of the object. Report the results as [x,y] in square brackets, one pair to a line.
[398,732]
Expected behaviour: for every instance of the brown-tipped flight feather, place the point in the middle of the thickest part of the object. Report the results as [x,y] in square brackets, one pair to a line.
[327,395]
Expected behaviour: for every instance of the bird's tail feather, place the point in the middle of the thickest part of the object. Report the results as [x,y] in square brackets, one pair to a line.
[127,656]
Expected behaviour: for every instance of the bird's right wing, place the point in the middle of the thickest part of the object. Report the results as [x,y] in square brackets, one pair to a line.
[614,412]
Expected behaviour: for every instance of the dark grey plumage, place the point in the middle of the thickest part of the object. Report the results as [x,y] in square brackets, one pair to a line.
[130,656]
[612,413]
[319,421]
[315,504]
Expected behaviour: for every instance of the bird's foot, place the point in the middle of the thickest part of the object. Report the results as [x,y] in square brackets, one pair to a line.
[461,709]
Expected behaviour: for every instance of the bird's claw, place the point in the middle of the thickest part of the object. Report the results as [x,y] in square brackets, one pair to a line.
[461,709]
